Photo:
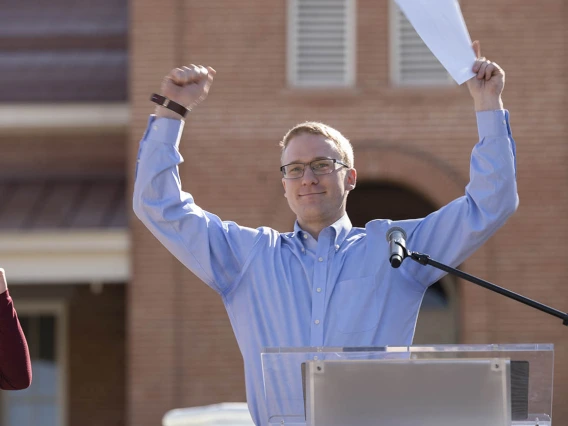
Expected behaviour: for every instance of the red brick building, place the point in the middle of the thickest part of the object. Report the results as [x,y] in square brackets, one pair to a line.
[120,331]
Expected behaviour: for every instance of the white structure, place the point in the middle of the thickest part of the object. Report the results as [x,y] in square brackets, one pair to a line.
[226,414]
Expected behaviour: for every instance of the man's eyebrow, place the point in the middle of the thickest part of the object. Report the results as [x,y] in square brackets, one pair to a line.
[313,159]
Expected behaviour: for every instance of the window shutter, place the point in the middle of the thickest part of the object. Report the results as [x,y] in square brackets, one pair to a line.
[412,62]
[321,43]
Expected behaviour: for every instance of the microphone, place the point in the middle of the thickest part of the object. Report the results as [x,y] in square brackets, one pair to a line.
[396,235]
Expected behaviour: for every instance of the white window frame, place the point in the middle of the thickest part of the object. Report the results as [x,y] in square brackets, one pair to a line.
[26,117]
[57,308]
[394,57]
[350,51]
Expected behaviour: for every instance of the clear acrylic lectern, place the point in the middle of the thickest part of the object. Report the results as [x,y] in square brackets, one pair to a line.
[443,385]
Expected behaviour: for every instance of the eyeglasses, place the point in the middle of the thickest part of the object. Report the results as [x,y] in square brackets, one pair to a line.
[323,166]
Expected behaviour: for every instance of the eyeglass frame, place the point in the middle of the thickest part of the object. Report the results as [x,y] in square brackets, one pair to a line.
[335,161]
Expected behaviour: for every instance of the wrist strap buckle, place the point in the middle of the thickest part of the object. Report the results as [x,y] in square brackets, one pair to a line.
[169,104]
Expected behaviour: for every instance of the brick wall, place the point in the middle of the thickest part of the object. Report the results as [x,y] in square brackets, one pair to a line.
[41,154]
[178,329]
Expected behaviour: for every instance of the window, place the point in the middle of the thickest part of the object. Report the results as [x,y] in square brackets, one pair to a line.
[412,62]
[44,401]
[321,43]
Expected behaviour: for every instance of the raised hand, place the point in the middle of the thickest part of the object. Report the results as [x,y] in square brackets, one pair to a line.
[188,86]
[486,87]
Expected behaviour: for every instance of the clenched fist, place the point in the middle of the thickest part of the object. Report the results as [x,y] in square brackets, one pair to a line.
[188,86]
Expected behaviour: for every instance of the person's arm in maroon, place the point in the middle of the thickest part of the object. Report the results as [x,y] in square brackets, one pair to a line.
[15,365]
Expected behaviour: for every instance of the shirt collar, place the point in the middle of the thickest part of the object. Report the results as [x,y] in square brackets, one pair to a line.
[342,227]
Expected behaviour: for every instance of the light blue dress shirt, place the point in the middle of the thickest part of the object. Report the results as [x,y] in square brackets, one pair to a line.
[289,290]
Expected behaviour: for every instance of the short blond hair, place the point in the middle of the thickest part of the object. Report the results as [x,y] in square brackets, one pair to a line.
[314,128]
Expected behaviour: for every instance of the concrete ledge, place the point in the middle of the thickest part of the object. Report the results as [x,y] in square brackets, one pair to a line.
[89,257]
[99,116]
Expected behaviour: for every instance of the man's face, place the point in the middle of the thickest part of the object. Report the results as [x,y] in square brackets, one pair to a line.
[316,199]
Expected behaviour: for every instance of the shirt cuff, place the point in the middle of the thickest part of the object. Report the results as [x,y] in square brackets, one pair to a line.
[493,123]
[164,130]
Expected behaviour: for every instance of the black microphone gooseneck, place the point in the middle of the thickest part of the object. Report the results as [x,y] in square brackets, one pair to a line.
[397,237]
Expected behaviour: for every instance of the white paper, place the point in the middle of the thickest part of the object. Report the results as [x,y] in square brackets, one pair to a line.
[441,26]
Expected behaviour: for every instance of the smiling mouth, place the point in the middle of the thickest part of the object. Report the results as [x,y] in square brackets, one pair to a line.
[314,193]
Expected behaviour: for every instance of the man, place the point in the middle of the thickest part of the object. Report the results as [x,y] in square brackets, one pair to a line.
[15,365]
[326,283]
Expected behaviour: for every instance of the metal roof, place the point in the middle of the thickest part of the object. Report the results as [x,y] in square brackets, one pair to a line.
[62,204]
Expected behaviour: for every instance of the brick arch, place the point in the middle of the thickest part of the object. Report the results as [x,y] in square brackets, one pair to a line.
[437,181]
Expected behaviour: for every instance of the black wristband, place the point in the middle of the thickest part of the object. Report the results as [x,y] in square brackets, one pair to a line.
[171,105]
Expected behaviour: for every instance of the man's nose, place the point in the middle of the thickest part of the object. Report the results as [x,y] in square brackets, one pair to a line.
[309,177]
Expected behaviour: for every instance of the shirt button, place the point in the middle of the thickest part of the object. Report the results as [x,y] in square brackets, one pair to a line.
[316,322]
[303,250]
[318,290]
[321,259]
[336,248]
[504,122]
[155,127]
[305,236]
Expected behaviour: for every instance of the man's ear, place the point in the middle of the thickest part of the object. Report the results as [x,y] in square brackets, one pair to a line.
[284,185]
[350,179]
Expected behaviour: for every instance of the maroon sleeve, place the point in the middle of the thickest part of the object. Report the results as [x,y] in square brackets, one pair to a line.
[15,365]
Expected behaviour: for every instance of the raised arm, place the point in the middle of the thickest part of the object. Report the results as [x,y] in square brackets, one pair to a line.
[214,250]
[15,365]
[454,232]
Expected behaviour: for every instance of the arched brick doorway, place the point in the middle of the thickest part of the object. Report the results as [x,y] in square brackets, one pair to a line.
[438,318]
